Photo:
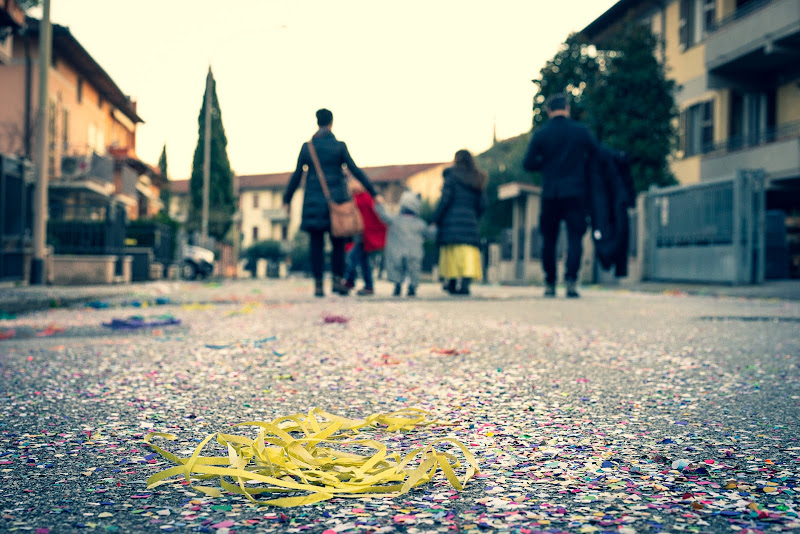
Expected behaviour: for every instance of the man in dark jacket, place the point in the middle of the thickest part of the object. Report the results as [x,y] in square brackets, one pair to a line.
[561,150]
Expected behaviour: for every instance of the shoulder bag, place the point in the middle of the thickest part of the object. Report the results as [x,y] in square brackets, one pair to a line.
[345,218]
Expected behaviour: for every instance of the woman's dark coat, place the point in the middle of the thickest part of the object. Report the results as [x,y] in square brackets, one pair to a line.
[333,155]
[459,209]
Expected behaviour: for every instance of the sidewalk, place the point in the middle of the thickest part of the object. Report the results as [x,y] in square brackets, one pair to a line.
[14,300]
[771,289]
[35,298]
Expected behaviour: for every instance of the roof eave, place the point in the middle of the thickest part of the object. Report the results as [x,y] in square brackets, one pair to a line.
[593,32]
[68,46]
[12,15]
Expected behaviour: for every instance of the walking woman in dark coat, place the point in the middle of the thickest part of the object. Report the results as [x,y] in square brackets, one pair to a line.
[333,155]
[461,205]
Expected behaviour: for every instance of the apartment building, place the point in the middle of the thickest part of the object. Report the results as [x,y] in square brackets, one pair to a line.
[91,124]
[737,65]
[261,208]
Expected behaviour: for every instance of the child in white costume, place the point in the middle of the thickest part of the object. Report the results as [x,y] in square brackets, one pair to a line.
[405,236]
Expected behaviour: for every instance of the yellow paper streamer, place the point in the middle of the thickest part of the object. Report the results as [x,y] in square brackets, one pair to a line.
[292,454]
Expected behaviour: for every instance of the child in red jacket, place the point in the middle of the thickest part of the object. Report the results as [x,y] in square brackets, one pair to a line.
[371,240]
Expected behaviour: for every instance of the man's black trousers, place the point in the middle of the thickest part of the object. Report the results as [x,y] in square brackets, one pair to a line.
[553,211]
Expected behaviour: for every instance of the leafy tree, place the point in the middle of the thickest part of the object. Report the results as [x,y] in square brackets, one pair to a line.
[632,107]
[268,249]
[271,250]
[27,4]
[621,93]
[573,70]
[299,253]
[165,189]
[221,205]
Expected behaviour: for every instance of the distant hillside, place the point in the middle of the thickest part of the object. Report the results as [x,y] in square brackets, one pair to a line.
[503,163]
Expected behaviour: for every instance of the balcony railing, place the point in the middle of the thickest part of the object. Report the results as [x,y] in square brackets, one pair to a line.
[98,235]
[275,215]
[745,10]
[741,142]
[87,165]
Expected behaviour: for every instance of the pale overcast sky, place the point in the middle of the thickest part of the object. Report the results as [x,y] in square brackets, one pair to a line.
[408,82]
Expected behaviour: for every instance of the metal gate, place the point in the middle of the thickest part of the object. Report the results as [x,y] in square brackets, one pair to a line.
[16,218]
[707,232]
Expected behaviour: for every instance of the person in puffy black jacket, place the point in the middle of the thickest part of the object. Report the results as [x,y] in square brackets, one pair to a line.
[333,155]
[562,151]
[460,206]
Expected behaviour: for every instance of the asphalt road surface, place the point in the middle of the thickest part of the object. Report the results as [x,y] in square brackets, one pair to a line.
[616,412]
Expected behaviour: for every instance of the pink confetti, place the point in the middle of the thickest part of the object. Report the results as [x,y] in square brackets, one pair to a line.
[335,319]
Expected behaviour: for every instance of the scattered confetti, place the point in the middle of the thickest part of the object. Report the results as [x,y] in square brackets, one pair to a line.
[620,413]
[340,319]
[135,322]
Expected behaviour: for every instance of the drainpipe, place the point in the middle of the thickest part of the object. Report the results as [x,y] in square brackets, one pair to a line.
[26,39]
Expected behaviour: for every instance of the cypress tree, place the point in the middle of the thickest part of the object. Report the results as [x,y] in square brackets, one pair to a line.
[221,205]
[166,194]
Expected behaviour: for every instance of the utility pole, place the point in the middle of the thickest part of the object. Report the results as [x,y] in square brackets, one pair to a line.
[207,157]
[42,142]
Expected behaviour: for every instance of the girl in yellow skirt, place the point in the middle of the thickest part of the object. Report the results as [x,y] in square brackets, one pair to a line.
[461,205]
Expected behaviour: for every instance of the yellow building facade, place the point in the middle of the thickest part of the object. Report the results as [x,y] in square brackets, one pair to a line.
[737,67]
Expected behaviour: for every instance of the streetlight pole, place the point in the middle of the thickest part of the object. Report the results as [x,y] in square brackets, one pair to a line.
[42,142]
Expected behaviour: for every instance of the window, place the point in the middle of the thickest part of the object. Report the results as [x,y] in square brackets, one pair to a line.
[697,18]
[255,233]
[92,136]
[80,90]
[753,118]
[709,15]
[697,129]
[284,232]
[52,139]
[65,130]
[707,126]
[255,200]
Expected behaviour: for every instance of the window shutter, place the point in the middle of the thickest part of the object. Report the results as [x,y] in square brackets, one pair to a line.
[683,25]
[684,124]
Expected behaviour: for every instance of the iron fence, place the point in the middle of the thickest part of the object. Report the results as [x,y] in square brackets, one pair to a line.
[699,215]
[157,236]
[104,236]
[16,218]
[707,232]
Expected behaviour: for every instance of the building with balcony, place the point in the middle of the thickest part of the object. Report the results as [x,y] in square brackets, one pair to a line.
[91,124]
[737,65]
